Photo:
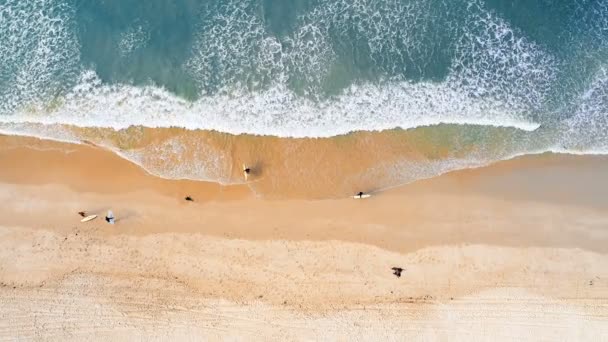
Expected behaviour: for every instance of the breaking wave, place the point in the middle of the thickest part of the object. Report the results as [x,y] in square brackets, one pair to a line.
[311,69]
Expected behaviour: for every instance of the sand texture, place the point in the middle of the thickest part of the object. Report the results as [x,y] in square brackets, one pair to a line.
[514,251]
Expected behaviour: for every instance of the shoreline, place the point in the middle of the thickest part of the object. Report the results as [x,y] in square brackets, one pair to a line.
[504,250]
[29,144]
[102,180]
[73,170]
[306,168]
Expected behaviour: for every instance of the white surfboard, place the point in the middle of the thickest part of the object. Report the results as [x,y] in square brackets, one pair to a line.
[245,173]
[362,196]
[89,218]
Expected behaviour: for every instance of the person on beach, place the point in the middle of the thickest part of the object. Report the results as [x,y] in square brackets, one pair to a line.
[397,271]
[82,213]
[110,217]
[246,171]
[360,194]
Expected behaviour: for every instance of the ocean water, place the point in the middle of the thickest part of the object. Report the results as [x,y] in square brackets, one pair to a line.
[453,83]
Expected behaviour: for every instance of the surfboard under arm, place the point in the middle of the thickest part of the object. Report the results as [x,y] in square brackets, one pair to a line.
[244,172]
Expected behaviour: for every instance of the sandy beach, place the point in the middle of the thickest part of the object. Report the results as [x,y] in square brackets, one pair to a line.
[513,251]
[478,128]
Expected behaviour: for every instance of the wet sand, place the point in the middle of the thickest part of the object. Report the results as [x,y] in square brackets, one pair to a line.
[305,168]
[516,250]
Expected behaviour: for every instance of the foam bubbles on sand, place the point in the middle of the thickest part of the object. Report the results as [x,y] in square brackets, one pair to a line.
[182,158]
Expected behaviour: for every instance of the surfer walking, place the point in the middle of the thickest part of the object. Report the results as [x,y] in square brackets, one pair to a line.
[246,171]
[110,217]
[360,194]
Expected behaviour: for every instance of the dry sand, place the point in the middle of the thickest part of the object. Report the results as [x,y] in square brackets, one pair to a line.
[517,250]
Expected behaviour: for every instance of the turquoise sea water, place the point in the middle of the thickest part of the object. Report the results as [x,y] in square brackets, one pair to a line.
[313,68]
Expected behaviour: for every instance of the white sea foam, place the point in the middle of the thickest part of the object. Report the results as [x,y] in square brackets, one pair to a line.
[587,128]
[55,132]
[38,44]
[133,38]
[494,61]
[182,158]
[497,78]
[465,98]
[393,175]
[276,111]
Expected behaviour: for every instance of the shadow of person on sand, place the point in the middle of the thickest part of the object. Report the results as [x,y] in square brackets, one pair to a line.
[255,170]
[124,216]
